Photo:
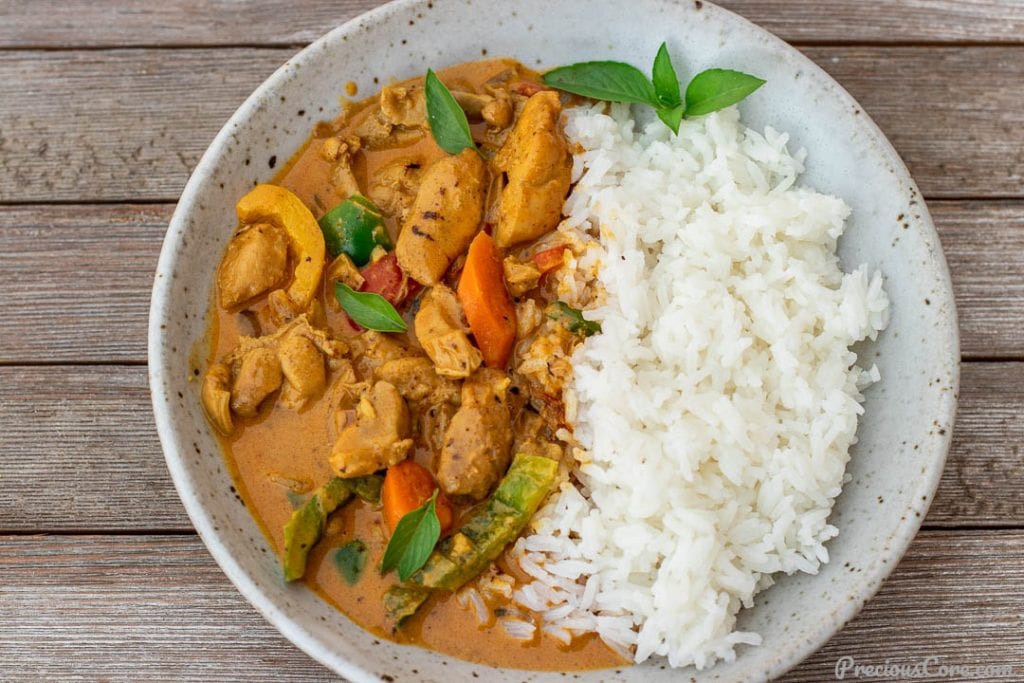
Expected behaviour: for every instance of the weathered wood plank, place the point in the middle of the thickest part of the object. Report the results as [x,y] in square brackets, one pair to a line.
[75,281]
[951,589]
[102,283]
[148,608]
[151,113]
[984,247]
[85,23]
[78,451]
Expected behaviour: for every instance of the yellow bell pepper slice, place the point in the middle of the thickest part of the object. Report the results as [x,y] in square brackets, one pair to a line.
[278,206]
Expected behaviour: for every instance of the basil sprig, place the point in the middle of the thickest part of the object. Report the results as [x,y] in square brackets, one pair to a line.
[413,540]
[707,92]
[368,309]
[447,121]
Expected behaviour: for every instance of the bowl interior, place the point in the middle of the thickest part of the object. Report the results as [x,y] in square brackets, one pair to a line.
[903,437]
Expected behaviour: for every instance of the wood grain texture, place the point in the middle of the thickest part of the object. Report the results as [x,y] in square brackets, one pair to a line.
[88,23]
[102,283]
[151,113]
[78,451]
[89,269]
[158,608]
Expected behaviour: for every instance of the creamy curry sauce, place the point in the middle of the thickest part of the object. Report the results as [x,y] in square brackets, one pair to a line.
[279,453]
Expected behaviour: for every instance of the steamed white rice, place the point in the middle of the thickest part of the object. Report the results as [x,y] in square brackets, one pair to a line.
[715,412]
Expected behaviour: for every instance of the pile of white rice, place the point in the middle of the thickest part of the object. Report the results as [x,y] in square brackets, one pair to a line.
[715,412]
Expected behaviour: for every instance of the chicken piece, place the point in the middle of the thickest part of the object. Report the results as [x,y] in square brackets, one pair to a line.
[404,105]
[339,151]
[336,147]
[372,349]
[444,216]
[256,261]
[498,112]
[379,436]
[258,376]
[343,270]
[478,441]
[441,330]
[533,437]
[536,159]
[303,368]
[376,132]
[216,397]
[520,276]
[529,316]
[394,186]
[415,379]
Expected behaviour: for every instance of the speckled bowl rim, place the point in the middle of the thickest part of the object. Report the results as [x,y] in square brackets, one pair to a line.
[783,660]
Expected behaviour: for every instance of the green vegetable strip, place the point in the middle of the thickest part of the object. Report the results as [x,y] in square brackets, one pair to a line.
[401,603]
[465,554]
[306,524]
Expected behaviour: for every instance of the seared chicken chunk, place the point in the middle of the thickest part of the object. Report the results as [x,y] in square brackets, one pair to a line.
[256,261]
[416,380]
[520,276]
[536,159]
[303,367]
[292,359]
[216,397]
[478,441]
[377,438]
[258,376]
[394,186]
[444,217]
[404,105]
[441,330]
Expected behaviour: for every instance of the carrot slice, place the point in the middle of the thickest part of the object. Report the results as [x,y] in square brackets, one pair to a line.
[485,300]
[408,486]
[549,259]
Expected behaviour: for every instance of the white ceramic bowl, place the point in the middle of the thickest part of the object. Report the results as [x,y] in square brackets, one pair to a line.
[904,435]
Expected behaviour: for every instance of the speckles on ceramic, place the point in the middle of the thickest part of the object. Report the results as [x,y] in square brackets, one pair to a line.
[904,435]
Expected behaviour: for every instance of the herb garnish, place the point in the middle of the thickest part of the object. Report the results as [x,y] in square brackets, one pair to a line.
[349,560]
[716,89]
[573,319]
[707,92]
[368,309]
[447,121]
[666,87]
[413,540]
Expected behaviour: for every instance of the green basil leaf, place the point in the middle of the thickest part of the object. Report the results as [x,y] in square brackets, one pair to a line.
[370,310]
[671,117]
[573,319]
[349,560]
[413,540]
[612,81]
[666,83]
[716,89]
[447,120]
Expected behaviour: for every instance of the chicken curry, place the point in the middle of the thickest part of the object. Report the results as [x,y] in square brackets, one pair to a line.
[374,315]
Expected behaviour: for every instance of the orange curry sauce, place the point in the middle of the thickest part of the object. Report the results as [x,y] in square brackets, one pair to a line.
[278,446]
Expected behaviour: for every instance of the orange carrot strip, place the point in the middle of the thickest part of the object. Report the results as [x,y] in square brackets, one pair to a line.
[549,259]
[484,298]
[408,486]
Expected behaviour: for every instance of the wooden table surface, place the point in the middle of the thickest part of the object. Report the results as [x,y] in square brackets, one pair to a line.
[105,107]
